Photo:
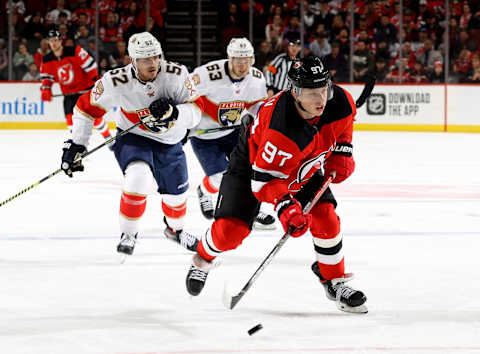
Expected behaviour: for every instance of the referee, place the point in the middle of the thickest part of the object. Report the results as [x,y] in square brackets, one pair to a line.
[276,74]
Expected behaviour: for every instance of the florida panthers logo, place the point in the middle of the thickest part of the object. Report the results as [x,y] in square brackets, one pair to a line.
[65,74]
[307,170]
[229,113]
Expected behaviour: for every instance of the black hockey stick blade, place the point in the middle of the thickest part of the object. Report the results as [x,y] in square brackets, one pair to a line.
[367,90]
[230,301]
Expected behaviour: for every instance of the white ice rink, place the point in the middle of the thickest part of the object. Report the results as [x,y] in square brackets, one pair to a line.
[411,221]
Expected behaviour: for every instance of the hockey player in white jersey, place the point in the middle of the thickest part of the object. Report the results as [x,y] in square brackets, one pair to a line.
[227,88]
[149,86]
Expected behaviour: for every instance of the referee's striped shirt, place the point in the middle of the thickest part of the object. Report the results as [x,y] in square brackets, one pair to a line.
[276,75]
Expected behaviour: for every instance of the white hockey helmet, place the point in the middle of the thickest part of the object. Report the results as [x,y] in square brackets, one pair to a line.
[240,48]
[143,45]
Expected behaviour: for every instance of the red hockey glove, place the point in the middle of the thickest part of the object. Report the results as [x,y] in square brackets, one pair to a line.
[341,161]
[46,94]
[290,214]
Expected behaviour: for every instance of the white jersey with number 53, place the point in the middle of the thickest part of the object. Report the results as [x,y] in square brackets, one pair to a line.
[221,99]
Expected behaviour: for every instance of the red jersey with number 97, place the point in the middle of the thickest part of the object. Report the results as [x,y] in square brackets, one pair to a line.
[75,70]
[285,150]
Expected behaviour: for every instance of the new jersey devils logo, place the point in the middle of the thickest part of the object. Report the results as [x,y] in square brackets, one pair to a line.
[307,170]
[65,74]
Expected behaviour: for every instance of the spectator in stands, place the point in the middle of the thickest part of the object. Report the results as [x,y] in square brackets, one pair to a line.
[274,33]
[385,31]
[344,41]
[63,19]
[83,36]
[88,11]
[21,60]
[119,57]
[436,76]
[33,73]
[103,66]
[292,29]
[363,63]
[474,73]
[463,42]
[308,17]
[324,16]
[53,15]
[428,55]
[408,53]
[3,60]
[336,63]
[129,17]
[42,50]
[382,51]
[394,75]
[34,29]
[417,74]
[263,56]
[64,32]
[465,18]
[82,20]
[320,46]
[110,33]
[381,69]
[337,25]
[462,65]
[419,40]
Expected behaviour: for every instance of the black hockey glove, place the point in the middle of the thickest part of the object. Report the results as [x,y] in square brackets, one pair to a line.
[71,152]
[164,112]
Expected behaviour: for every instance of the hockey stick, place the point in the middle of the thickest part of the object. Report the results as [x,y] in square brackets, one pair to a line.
[214,130]
[85,154]
[230,301]
[367,90]
[70,94]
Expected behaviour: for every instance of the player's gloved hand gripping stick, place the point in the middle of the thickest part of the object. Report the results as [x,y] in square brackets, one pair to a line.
[229,300]
[76,163]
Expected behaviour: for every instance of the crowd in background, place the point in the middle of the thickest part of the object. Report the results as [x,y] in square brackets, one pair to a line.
[275,22]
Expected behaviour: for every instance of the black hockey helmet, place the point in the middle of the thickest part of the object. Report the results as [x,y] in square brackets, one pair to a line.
[309,72]
[53,33]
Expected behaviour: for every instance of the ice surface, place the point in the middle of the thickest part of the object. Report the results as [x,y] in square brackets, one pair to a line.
[411,221]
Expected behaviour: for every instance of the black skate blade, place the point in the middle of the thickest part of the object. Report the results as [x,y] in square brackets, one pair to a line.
[362,309]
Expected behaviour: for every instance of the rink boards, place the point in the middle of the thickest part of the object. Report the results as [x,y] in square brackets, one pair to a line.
[426,107]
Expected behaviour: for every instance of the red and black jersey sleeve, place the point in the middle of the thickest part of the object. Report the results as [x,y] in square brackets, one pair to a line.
[86,63]
[47,71]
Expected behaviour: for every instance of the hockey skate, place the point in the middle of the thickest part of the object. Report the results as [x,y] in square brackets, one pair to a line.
[264,221]
[206,204]
[197,275]
[188,241]
[346,298]
[127,244]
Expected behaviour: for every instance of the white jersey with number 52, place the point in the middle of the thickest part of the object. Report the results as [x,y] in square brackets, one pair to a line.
[120,88]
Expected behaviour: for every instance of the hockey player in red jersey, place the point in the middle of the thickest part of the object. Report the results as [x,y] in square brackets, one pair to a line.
[76,72]
[279,160]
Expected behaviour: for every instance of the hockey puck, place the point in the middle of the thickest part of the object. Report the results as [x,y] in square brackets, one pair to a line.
[255,329]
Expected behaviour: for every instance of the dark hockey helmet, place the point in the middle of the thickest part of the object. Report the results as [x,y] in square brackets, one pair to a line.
[53,33]
[309,72]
